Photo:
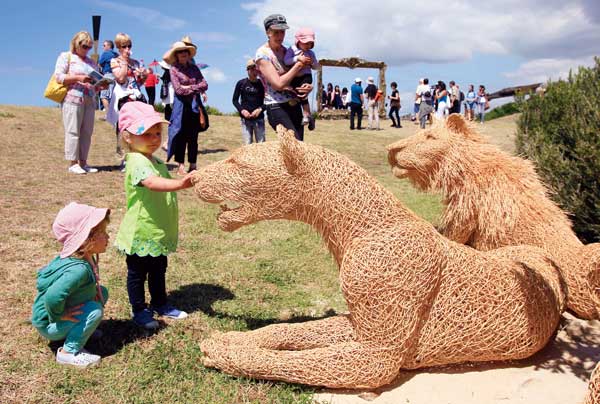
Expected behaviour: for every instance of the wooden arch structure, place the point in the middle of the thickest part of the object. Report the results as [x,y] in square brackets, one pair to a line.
[352,63]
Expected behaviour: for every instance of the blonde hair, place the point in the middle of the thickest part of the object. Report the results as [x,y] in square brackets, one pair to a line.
[122,39]
[87,244]
[79,39]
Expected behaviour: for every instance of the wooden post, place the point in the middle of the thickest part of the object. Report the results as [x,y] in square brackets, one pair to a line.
[383,88]
[319,86]
[95,35]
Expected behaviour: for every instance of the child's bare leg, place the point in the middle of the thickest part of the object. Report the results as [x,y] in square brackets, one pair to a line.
[306,109]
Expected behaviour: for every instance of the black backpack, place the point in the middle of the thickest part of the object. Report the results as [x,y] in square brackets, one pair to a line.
[462,96]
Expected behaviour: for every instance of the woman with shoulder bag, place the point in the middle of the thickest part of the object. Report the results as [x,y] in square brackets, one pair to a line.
[129,76]
[188,116]
[79,105]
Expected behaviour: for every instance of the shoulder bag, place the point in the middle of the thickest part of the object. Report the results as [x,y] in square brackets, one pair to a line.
[56,91]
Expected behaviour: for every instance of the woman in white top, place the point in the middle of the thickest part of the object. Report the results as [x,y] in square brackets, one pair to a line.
[79,105]
[281,103]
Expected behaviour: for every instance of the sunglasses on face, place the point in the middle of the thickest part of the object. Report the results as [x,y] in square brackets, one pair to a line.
[86,47]
[250,67]
[126,46]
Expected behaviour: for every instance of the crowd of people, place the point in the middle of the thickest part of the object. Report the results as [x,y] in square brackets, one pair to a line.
[442,101]
[278,79]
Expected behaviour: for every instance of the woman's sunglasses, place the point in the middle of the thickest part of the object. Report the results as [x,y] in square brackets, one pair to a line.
[126,46]
[86,47]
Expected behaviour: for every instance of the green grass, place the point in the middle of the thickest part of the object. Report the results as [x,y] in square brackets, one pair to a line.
[265,273]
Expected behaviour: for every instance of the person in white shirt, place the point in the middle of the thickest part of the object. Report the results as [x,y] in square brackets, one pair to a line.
[421,88]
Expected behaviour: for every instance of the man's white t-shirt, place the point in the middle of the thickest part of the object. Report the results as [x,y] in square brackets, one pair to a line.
[421,88]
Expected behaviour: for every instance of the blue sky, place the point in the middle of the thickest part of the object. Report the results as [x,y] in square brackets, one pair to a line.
[497,43]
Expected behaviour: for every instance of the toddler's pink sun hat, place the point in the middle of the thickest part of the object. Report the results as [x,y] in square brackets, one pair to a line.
[73,224]
[137,117]
[305,35]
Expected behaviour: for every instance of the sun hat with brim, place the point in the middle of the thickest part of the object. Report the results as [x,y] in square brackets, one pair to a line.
[164,65]
[275,21]
[73,225]
[250,63]
[169,55]
[370,80]
[137,117]
[305,35]
[188,41]
[358,80]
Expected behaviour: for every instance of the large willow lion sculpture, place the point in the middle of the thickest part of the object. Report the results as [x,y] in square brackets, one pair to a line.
[494,200]
[415,298]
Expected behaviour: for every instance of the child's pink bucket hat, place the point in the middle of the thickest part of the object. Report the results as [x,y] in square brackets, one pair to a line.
[137,117]
[305,35]
[73,224]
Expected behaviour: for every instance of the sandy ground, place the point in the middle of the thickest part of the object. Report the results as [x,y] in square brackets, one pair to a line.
[559,374]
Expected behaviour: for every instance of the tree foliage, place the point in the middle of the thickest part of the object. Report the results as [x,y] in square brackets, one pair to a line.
[560,131]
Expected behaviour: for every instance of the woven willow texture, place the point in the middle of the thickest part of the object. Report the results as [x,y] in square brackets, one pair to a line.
[415,298]
[494,200]
[593,396]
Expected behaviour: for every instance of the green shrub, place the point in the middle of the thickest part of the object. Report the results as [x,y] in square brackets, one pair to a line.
[560,132]
[213,111]
[504,110]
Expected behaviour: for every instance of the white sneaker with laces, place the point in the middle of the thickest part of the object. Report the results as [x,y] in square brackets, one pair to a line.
[89,169]
[305,120]
[76,169]
[81,359]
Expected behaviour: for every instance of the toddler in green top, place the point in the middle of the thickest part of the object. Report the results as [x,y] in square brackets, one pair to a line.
[70,301]
[148,232]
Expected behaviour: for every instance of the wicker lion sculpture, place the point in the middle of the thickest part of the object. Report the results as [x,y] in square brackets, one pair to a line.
[415,298]
[593,396]
[494,200]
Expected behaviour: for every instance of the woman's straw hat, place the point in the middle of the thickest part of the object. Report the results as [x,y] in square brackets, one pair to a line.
[169,55]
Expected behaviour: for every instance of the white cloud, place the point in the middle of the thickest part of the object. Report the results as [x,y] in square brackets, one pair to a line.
[401,32]
[149,16]
[541,70]
[214,74]
[211,37]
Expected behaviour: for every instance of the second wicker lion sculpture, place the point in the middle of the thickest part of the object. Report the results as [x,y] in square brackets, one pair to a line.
[415,298]
[494,200]
[593,395]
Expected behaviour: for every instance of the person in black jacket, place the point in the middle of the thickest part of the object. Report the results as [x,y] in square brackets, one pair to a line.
[251,108]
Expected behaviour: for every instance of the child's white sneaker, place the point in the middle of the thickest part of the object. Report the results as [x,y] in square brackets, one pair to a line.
[81,359]
[305,120]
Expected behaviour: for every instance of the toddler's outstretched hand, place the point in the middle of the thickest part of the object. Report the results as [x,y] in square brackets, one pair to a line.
[187,180]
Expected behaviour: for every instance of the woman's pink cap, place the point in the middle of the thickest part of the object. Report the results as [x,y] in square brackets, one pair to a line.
[73,224]
[137,117]
[305,35]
